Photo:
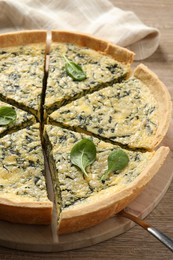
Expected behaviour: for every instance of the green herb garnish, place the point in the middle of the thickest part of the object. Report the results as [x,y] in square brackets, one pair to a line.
[83,154]
[7,115]
[117,161]
[74,70]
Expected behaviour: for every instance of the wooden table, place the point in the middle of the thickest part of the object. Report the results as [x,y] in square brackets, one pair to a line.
[136,243]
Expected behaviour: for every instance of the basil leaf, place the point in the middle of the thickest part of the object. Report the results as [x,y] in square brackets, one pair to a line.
[74,70]
[83,154]
[117,161]
[7,115]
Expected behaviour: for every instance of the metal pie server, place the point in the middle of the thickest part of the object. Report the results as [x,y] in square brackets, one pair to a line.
[168,242]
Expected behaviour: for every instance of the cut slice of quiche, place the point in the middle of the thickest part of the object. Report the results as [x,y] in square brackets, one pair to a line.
[84,202]
[130,113]
[102,63]
[23,119]
[23,194]
[22,58]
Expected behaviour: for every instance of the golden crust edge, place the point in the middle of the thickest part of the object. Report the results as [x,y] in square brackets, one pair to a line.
[85,40]
[163,98]
[37,213]
[83,216]
[22,38]
[108,48]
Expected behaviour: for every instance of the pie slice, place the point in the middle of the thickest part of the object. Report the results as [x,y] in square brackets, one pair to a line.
[22,69]
[84,202]
[23,119]
[102,62]
[23,194]
[130,113]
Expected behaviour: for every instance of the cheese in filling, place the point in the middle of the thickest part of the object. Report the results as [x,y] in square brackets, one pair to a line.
[100,70]
[126,113]
[21,76]
[105,105]
[23,119]
[22,167]
[74,188]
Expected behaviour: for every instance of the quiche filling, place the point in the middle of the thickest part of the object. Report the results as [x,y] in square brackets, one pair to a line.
[100,71]
[71,182]
[104,104]
[23,119]
[125,113]
[22,167]
[21,76]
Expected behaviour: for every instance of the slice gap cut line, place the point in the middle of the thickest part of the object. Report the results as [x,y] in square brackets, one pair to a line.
[49,183]
[51,196]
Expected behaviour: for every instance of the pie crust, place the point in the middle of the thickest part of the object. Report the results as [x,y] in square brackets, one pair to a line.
[118,53]
[106,203]
[22,38]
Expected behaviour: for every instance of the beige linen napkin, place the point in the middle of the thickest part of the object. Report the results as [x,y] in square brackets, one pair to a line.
[97,17]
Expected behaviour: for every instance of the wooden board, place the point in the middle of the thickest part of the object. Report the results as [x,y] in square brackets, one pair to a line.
[41,238]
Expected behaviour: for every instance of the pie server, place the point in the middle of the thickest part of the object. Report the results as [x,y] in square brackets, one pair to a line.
[168,242]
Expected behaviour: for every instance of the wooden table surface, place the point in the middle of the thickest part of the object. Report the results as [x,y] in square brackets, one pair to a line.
[136,243]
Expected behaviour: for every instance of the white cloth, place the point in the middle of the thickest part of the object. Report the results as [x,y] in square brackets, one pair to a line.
[96,17]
